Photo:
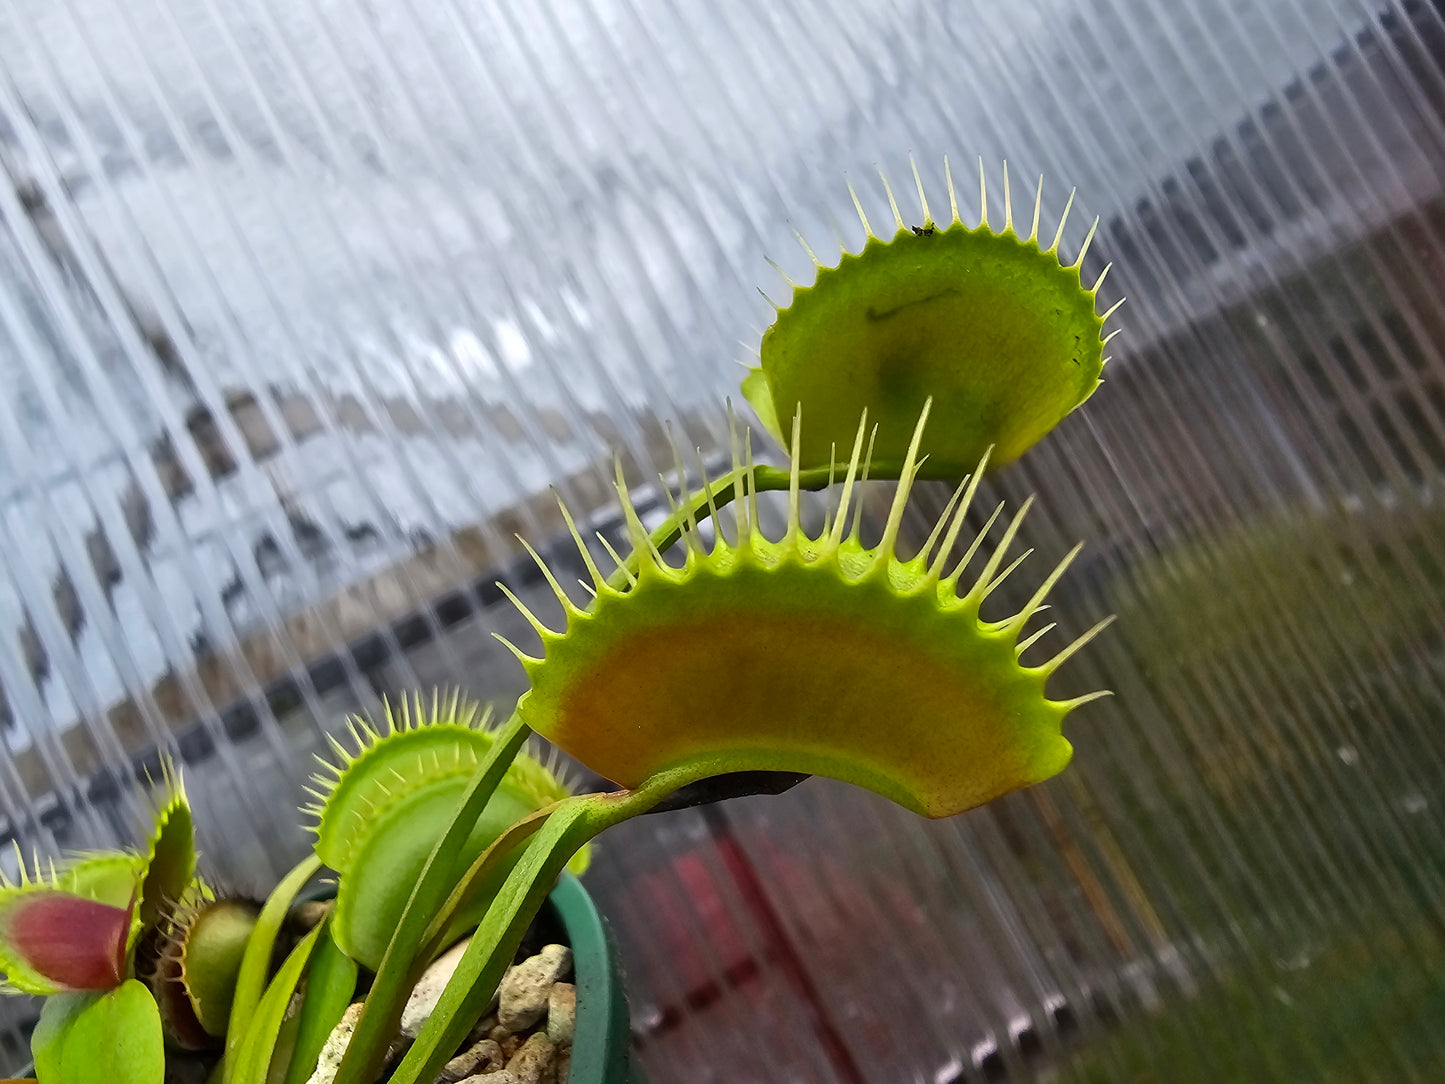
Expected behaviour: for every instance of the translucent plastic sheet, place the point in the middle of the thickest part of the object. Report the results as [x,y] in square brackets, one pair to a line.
[304,305]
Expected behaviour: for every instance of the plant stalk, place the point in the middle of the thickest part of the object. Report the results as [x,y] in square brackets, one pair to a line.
[256,960]
[572,824]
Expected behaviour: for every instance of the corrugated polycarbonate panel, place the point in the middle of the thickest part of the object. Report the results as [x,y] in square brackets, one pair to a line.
[304,306]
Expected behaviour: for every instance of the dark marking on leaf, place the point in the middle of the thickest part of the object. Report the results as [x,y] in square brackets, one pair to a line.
[874,314]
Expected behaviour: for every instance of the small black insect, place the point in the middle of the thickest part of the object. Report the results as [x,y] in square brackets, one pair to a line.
[922,231]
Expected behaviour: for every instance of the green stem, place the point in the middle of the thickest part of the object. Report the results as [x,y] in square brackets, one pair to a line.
[468,993]
[721,491]
[487,862]
[250,1059]
[397,974]
[256,961]
[330,986]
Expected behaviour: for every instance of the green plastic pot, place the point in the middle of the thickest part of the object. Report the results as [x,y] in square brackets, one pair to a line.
[600,1047]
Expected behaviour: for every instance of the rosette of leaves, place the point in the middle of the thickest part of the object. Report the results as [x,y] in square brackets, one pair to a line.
[384,802]
[992,326]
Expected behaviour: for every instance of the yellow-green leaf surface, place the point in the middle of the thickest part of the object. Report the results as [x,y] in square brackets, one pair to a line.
[111,1038]
[990,325]
[811,654]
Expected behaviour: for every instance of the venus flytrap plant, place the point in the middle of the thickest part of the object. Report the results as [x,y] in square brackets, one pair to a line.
[1007,340]
[937,353]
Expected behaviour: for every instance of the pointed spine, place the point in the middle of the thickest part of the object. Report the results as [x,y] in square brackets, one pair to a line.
[945,516]
[599,581]
[849,479]
[544,631]
[795,510]
[1063,220]
[936,568]
[621,564]
[642,545]
[858,506]
[1008,203]
[1038,207]
[817,263]
[900,495]
[982,196]
[892,201]
[1088,240]
[998,580]
[922,197]
[1067,653]
[862,215]
[951,580]
[952,192]
[1033,638]
[740,525]
[1017,622]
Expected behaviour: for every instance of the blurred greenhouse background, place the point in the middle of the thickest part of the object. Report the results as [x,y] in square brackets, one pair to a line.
[304,305]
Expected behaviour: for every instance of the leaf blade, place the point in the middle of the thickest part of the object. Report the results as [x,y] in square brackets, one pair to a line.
[115,1037]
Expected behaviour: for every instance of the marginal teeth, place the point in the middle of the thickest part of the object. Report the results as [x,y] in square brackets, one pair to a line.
[993,584]
[922,197]
[952,193]
[613,662]
[1084,248]
[1038,206]
[862,215]
[1063,218]
[892,203]
[1024,645]
[1063,656]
